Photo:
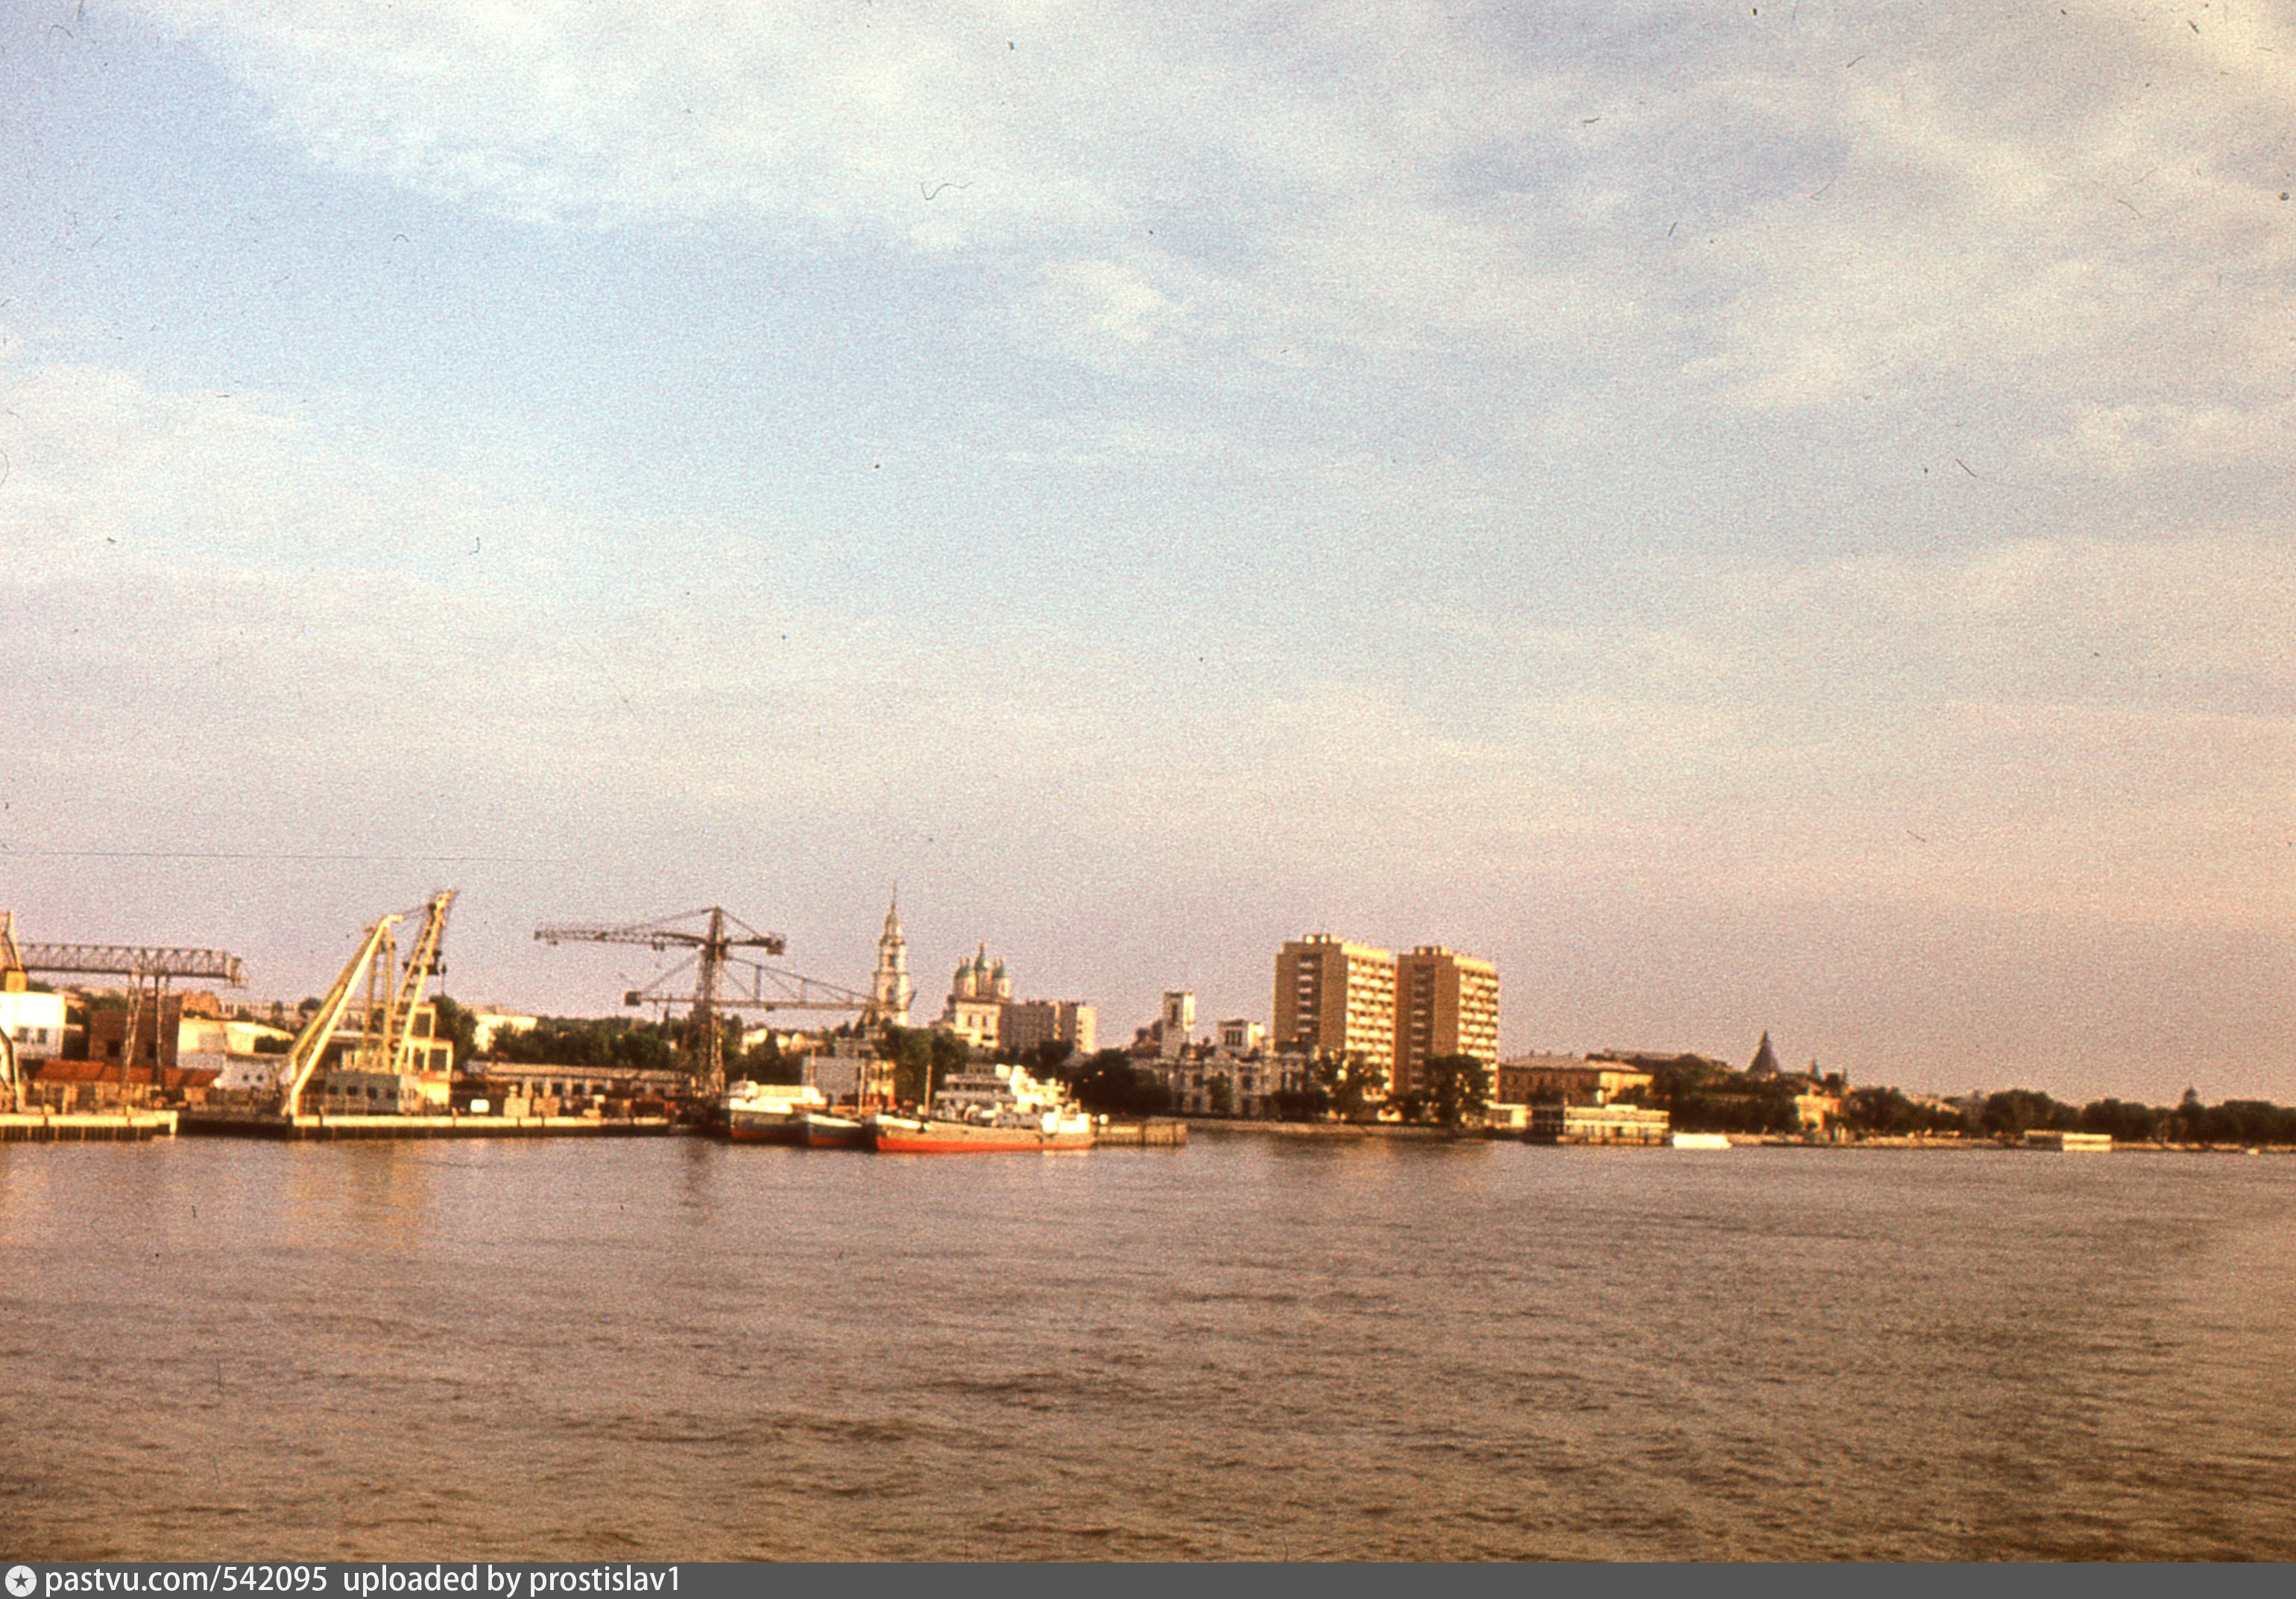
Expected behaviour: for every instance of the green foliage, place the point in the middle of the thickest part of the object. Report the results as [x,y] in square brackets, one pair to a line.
[2126,1122]
[604,1041]
[947,1054]
[1458,1087]
[2014,1113]
[1109,1084]
[1890,1113]
[1353,1084]
[910,1049]
[456,1025]
[764,1062]
[1311,1103]
[1221,1091]
[1700,1095]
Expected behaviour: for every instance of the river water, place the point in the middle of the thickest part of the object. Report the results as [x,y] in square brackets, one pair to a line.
[1258,1346]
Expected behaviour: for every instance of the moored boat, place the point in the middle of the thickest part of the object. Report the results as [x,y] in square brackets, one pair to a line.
[999,1109]
[770,1112]
[826,1129]
[953,1136]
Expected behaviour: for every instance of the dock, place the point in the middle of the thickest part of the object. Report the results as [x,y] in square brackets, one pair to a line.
[1154,1133]
[322,1128]
[86,1126]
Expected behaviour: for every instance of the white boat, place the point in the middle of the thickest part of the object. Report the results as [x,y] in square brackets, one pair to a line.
[1001,1108]
[1701,1141]
[770,1112]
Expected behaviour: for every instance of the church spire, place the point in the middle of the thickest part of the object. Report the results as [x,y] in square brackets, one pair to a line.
[888,991]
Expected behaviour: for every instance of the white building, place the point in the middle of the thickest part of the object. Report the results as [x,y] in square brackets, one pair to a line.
[34,1023]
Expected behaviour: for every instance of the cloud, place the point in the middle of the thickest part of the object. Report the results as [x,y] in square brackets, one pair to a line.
[1788,210]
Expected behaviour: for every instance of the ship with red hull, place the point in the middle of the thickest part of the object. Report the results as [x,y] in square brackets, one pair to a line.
[827,1129]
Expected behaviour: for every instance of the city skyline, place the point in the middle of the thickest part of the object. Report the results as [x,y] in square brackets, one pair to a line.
[1759,522]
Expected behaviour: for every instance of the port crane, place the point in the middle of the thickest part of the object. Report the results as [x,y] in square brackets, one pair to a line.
[719,933]
[148,968]
[388,1007]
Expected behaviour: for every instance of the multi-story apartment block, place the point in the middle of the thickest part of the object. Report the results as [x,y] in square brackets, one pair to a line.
[1445,1004]
[1335,997]
[1027,1024]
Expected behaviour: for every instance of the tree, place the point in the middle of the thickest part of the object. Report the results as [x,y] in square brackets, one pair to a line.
[613,1041]
[2014,1113]
[1353,1082]
[910,1050]
[1109,1084]
[1311,1103]
[1223,1093]
[764,1062]
[1457,1088]
[948,1054]
[456,1025]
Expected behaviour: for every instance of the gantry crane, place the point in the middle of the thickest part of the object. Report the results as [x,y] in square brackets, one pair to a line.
[141,964]
[713,946]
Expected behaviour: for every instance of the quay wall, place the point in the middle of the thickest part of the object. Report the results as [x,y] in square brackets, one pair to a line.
[327,1129]
[86,1126]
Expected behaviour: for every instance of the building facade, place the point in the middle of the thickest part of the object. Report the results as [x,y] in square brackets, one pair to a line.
[1335,997]
[976,997]
[1445,1004]
[1563,1080]
[33,1022]
[1027,1024]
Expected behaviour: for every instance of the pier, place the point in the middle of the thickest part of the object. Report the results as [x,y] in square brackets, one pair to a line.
[86,1126]
[322,1128]
[1155,1134]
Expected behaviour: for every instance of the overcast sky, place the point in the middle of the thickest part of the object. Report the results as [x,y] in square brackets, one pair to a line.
[1748,517]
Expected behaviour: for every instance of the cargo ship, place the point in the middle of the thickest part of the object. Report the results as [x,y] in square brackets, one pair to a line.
[827,1129]
[770,1112]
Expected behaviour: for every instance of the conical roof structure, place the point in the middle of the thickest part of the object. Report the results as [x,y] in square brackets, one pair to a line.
[1766,1060]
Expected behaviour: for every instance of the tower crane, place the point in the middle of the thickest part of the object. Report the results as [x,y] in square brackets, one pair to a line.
[713,943]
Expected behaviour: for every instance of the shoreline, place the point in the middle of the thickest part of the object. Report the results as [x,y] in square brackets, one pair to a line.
[1238,1126]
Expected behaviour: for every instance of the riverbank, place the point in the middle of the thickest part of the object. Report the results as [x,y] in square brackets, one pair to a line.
[1239,1126]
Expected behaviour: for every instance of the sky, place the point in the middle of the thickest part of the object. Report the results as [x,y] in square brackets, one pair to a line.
[1749,518]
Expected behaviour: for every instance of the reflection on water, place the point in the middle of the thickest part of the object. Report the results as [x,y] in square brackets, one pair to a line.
[1253,1348]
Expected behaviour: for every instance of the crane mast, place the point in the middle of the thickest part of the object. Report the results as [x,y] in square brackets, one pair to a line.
[713,945]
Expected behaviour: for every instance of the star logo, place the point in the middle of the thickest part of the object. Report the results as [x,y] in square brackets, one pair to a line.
[21,1581]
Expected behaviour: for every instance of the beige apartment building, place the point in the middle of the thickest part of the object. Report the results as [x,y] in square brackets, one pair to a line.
[1027,1024]
[1335,997]
[1445,1004]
